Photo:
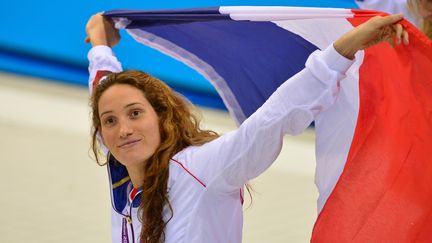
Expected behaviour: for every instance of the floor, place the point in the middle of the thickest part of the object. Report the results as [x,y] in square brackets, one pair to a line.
[53,191]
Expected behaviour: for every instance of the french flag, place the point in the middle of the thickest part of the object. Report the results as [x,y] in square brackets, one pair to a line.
[373,146]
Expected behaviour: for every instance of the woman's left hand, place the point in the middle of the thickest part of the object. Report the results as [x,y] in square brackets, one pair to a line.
[373,31]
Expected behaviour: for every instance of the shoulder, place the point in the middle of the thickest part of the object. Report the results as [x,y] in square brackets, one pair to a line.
[181,166]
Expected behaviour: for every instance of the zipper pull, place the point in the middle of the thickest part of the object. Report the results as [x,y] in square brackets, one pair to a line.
[125,235]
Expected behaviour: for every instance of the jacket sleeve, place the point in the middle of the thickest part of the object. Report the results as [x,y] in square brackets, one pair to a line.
[101,61]
[228,162]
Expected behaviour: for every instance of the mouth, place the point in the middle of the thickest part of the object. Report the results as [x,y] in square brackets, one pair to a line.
[129,143]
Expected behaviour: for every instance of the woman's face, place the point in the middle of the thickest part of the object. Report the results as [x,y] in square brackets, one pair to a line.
[425,9]
[129,124]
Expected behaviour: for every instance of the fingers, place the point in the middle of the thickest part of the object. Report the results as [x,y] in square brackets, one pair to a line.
[395,35]
[392,32]
[400,35]
[388,20]
[405,37]
[399,30]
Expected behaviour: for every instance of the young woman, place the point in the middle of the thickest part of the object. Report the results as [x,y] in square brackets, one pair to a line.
[418,12]
[174,182]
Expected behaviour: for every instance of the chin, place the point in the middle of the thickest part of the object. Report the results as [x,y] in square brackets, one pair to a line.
[130,160]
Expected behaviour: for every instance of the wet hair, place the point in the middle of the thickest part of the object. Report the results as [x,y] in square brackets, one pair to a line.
[425,24]
[179,128]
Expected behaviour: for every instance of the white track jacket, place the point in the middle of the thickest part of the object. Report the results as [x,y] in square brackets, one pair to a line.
[206,182]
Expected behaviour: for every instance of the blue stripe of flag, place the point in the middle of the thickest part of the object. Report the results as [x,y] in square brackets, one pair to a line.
[254,58]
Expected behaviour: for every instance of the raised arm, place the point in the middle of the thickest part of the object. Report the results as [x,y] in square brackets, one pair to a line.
[233,159]
[102,35]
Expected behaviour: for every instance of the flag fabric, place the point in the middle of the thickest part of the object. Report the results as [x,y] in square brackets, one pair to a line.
[374,170]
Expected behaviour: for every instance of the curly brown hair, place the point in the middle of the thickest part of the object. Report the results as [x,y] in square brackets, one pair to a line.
[426,27]
[425,24]
[179,128]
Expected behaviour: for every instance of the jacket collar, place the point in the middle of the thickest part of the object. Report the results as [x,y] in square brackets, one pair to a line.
[120,185]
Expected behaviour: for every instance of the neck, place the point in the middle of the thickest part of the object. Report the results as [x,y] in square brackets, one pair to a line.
[136,173]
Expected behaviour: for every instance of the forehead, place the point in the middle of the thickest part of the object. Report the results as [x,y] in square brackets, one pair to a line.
[119,89]
[120,94]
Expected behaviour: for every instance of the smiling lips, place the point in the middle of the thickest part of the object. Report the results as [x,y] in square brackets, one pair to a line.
[129,143]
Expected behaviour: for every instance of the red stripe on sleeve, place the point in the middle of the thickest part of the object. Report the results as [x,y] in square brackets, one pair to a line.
[99,75]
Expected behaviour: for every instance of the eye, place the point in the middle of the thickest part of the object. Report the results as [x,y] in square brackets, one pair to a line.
[109,121]
[135,114]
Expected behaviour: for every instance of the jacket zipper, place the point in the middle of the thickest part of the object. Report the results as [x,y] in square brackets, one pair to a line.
[129,218]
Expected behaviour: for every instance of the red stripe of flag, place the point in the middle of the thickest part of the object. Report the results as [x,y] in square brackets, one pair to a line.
[385,191]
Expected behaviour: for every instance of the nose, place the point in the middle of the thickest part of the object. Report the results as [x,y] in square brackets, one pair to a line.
[125,129]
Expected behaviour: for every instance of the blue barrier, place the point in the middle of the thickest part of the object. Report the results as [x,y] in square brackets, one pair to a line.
[45,39]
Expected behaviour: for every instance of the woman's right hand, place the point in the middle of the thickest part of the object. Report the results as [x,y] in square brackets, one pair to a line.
[101,31]
[371,32]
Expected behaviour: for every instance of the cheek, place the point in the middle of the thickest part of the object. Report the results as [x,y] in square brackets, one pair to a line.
[156,133]
[106,137]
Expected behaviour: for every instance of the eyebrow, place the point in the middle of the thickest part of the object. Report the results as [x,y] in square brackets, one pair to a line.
[126,106]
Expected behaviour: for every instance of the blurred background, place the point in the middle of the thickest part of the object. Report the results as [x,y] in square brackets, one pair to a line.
[51,189]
